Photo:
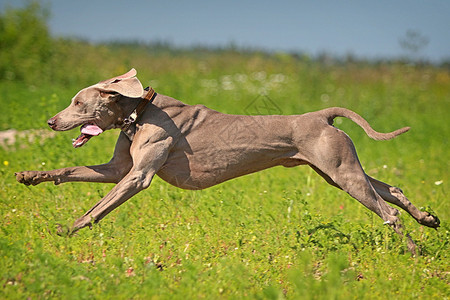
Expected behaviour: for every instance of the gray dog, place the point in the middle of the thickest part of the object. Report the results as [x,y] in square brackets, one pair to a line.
[163,136]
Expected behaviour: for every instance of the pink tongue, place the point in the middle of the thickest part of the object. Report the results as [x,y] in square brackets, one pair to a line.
[91,129]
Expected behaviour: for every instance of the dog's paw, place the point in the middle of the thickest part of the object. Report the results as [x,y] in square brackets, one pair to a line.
[84,221]
[430,221]
[29,177]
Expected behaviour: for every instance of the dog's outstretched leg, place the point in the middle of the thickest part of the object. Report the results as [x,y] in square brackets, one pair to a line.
[130,185]
[111,172]
[146,162]
[395,196]
[338,163]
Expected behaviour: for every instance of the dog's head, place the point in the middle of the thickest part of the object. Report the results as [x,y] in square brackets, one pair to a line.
[96,108]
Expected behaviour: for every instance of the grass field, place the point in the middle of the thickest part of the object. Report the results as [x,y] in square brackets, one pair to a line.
[280,233]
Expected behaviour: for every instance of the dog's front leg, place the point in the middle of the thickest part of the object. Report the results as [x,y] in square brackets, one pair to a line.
[147,160]
[111,172]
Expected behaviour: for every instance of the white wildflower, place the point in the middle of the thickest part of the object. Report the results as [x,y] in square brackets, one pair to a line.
[227,83]
[277,78]
[260,76]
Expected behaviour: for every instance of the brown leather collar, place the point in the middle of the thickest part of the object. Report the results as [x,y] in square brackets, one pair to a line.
[146,99]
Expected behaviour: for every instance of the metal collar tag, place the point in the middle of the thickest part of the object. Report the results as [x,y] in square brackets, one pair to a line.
[146,99]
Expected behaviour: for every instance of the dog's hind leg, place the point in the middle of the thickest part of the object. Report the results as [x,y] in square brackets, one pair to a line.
[353,180]
[336,158]
[395,196]
[325,176]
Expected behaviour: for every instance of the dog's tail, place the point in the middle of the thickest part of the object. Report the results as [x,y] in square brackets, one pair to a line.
[333,112]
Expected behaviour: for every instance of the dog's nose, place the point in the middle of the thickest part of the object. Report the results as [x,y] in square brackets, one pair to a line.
[51,122]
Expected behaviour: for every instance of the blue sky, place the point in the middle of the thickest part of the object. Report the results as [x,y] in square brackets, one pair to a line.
[363,28]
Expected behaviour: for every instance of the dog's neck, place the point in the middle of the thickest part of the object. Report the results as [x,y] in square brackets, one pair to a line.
[127,106]
[132,111]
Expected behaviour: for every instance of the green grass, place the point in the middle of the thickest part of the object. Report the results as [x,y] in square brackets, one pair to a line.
[280,233]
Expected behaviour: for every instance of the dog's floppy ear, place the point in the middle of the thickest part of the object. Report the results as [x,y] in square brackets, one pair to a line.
[127,85]
[129,74]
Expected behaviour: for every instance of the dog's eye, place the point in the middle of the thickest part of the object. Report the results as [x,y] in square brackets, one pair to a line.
[77,103]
